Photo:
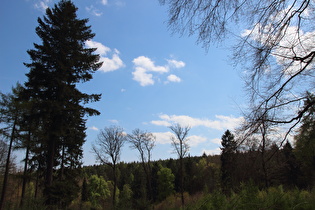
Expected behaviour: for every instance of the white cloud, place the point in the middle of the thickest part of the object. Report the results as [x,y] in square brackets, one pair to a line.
[114,121]
[163,138]
[216,141]
[42,5]
[141,76]
[143,65]
[104,2]
[294,42]
[161,123]
[109,64]
[173,78]
[93,128]
[176,64]
[123,90]
[101,49]
[94,11]
[195,140]
[221,122]
[147,64]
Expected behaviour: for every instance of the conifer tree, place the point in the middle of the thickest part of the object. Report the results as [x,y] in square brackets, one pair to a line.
[57,64]
[228,149]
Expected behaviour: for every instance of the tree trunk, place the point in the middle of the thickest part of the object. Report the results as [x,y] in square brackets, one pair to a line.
[182,181]
[62,162]
[25,168]
[7,167]
[49,169]
[263,159]
[115,184]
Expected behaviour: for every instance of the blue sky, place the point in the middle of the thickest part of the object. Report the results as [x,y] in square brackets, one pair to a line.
[150,78]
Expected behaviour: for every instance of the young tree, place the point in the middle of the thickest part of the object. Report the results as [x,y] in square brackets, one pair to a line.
[165,183]
[125,197]
[144,142]
[108,149]
[98,190]
[181,147]
[276,48]
[229,146]
[58,64]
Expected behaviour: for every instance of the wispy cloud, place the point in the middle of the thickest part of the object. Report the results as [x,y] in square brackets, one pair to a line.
[109,63]
[176,64]
[165,138]
[113,121]
[93,128]
[294,41]
[220,123]
[196,140]
[104,2]
[93,11]
[216,141]
[42,5]
[143,65]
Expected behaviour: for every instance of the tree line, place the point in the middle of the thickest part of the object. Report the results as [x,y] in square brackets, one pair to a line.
[146,184]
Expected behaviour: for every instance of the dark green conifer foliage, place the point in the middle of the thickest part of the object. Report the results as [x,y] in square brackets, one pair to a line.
[227,167]
[305,143]
[57,65]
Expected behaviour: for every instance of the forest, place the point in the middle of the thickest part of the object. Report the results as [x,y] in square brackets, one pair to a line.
[268,162]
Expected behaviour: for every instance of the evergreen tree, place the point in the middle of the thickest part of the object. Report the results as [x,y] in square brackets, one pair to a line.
[305,143]
[58,64]
[291,169]
[227,166]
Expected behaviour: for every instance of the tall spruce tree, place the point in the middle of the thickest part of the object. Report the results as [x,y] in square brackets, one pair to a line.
[227,166]
[58,63]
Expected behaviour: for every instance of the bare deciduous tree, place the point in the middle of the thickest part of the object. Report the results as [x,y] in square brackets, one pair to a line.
[108,149]
[181,147]
[276,49]
[144,142]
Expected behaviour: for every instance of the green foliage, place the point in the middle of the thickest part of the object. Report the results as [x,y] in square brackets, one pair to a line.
[250,198]
[125,200]
[227,160]
[98,190]
[305,144]
[165,183]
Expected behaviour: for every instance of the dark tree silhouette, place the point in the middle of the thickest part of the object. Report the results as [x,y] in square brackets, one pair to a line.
[229,146]
[59,62]
[181,147]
